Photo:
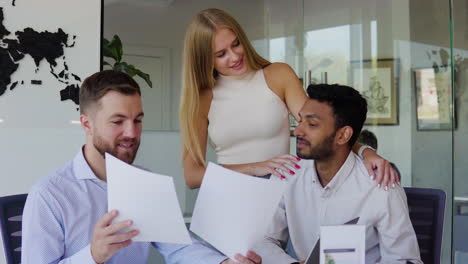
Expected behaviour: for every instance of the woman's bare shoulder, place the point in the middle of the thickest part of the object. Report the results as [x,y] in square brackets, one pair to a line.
[279,68]
[278,76]
[279,72]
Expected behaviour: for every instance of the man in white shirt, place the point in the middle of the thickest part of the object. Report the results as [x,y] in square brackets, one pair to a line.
[334,187]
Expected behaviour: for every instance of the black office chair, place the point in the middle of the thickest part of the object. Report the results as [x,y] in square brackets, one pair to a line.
[427,210]
[11,211]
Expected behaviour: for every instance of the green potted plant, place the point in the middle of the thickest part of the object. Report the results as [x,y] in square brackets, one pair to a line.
[113,49]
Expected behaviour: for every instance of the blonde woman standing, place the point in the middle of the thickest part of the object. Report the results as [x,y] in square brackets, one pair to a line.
[242,102]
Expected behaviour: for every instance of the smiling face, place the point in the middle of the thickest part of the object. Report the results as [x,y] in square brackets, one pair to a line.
[116,125]
[228,54]
[316,131]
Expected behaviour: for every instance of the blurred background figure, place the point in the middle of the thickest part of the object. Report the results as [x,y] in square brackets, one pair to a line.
[368,138]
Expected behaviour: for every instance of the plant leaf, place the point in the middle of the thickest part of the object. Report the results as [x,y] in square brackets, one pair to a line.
[145,77]
[130,70]
[113,49]
[106,50]
[122,66]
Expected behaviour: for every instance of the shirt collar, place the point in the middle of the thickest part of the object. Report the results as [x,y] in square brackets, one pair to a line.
[341,175]
[81,167]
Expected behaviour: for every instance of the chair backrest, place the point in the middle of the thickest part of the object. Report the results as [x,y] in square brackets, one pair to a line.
[426,211]
[11,211]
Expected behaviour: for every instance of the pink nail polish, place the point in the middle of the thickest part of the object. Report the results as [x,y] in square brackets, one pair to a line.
[292,172]
[297,166]
[298,159]
[282,177]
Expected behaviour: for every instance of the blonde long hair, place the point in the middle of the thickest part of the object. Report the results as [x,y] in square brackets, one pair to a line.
[199,74]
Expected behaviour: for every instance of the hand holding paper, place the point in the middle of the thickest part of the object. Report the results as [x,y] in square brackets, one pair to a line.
[106,237]
[148,199]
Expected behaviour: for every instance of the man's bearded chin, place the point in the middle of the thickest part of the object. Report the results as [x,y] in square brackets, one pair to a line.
[128,157]
[321,151]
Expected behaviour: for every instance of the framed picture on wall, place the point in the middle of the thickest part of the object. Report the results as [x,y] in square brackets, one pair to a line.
[378,81]
[433,98]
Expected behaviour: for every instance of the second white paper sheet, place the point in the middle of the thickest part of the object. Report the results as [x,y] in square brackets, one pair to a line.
[148,199]
[233,211]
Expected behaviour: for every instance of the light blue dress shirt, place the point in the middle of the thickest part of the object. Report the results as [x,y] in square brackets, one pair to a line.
[59,217]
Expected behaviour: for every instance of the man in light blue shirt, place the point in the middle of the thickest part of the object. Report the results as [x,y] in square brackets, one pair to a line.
[66,219]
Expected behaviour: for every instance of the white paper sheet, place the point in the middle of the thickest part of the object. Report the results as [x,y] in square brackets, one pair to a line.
[148,199]
[233,210]
[344,244]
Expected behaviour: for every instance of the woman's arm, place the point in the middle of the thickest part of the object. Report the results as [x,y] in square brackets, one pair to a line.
[193,171]
[284,82]
[282,79]
[386,175]
[272,166]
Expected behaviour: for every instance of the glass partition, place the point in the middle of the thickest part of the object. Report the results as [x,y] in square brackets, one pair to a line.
[397,54]
[460,135]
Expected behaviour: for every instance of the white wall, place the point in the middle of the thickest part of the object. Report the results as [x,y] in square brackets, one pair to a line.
[35,138]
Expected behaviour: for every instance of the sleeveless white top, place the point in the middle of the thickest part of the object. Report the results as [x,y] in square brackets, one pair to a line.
[248,122]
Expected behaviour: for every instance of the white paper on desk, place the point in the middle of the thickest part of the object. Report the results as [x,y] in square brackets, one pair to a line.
[345,244]
[233,211]
[148,199]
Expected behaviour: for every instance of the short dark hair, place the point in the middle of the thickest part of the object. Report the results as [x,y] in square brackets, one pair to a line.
[97,85]
[368,138]
[349,107]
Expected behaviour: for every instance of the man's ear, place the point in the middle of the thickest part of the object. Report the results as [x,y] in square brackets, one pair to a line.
[343,135]
[86,123]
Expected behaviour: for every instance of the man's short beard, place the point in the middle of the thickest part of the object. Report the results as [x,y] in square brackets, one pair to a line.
[322,151]
[102,147]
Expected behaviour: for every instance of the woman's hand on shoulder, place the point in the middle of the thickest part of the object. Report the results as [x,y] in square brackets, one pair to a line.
[277,166]
[386,174]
